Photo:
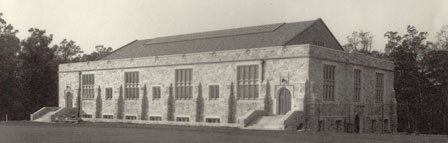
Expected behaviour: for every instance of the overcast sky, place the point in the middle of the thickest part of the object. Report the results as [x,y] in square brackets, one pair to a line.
[115,23]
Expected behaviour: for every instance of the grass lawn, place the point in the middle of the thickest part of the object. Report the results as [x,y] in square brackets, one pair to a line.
[30,132]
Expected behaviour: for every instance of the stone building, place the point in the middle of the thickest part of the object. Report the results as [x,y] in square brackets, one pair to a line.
[277,77]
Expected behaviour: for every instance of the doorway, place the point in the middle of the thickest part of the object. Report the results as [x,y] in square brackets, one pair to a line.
[284,101]
[357,129]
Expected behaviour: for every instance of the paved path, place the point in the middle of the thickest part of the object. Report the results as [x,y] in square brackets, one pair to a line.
[29,132]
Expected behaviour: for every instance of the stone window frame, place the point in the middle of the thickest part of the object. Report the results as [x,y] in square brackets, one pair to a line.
[109,93]
[87,115]
[154,117]
[131,85]
[357,85]
[258,83]
[130,117]
[187,84]
[212,119]
[88,86]
[379,87]
[158,95]
[329,83]
[108,115]
[182,118]
[212,94]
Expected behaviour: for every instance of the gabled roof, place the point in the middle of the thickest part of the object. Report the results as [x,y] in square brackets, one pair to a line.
[240,38]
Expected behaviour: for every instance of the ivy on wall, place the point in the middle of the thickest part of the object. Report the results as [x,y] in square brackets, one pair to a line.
[99,104]
[120,104]
[232,105]
[171,104]
[145,103]
[199,105]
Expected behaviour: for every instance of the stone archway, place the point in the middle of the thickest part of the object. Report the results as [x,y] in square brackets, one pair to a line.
[284,101]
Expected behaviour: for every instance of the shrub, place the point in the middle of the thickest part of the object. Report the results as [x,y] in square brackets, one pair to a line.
[199,105]
[99,104]
[232,105]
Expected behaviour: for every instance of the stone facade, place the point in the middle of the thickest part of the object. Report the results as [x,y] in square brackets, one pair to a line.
[298,68]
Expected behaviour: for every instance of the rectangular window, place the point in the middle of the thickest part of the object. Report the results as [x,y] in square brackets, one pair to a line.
[88,81]
[155,118]
[87,115]
[247,84]
[131,117]
[131,85]
[213,92]
[329,83]
[357,86]
[373,126]
[182,119]
[183,84]
[379,87]
[108,116]
[212,120]
[338,125]
[108,93]
[156,92]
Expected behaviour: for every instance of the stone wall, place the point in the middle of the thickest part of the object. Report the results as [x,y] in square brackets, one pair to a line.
[289,64]
[344,108]
[297,68]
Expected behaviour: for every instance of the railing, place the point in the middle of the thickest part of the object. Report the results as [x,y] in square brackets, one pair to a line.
[44,110]
[64,114]
[250,116]
[290,119]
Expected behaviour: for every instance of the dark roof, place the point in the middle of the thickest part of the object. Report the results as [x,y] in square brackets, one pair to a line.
[230,39]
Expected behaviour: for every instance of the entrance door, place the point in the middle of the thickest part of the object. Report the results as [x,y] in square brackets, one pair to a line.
[69,100]
[284,101]
[357,124]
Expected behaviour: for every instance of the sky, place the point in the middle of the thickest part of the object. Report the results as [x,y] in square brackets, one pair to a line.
[114,23]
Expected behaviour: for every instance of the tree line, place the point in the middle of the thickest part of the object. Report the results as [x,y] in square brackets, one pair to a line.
[29,69]
[420,76]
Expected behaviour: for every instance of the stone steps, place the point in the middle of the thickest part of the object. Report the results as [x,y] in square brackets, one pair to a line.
[267,123]
[45,118]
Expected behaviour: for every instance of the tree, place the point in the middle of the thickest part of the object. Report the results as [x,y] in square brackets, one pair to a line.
[199,105]
[359,41]
[406,52]
[100,52]
[232,105]
[120,104]
[171,104]
[268,100]
[38,71]
[442,38]
[145,104]
[67,51]
[99,104]
[9,49]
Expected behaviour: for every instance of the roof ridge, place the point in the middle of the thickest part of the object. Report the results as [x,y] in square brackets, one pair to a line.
[218,40]
[216,33]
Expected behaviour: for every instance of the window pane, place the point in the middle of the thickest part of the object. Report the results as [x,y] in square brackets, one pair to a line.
[256,72]
[217,92]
